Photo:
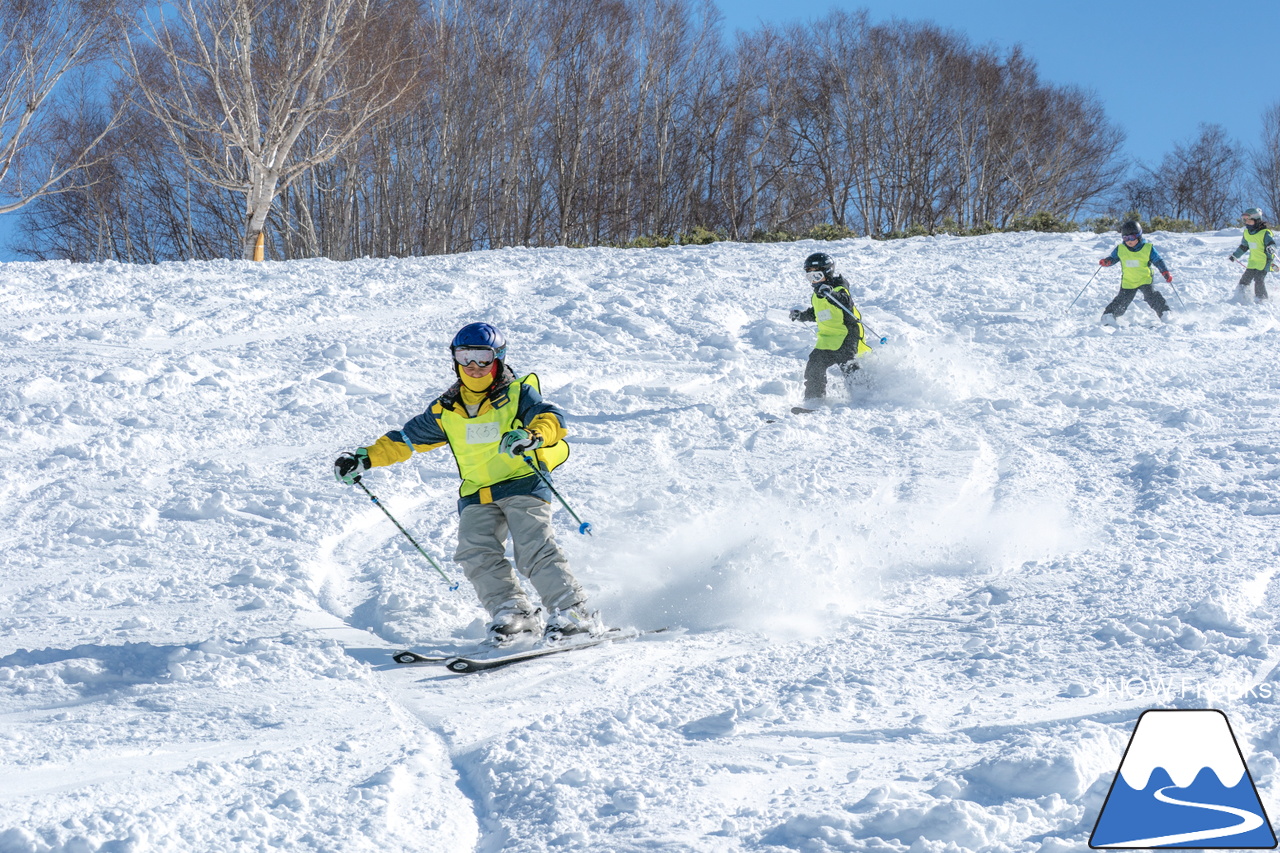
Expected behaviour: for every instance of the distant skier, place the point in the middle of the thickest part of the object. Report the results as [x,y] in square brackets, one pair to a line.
[491,419]
[1136,256]
[1260,245]
[840,331]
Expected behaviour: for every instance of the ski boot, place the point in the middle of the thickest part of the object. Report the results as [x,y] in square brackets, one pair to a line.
[511,624]
[572,622]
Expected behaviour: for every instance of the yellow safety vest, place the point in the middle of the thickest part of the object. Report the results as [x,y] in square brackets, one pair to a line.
[1257,254]
[1136,266]
[831,328]
[474,441]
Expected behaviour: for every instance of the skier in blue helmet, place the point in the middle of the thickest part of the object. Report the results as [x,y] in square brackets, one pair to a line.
[491,420]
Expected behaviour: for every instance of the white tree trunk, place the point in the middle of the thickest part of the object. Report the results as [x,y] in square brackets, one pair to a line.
[258,203]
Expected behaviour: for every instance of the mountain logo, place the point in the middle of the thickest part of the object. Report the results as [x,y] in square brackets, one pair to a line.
[1183,783]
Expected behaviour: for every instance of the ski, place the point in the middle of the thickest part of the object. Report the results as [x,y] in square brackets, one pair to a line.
[465,665]
[801,410]
[408,658]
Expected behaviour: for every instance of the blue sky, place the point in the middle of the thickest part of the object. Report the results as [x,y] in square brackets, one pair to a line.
[1161,69]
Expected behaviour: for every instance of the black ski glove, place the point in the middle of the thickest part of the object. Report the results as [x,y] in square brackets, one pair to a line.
[348,467]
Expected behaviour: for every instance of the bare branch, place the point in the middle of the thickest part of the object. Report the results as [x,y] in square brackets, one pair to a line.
[41,43]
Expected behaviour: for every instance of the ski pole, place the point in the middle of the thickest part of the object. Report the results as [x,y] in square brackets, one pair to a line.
[873,332]
[1241,289]
[452,584]
[1271,262]
[827,294]
[1083,289]
[584,527]
[1176,293]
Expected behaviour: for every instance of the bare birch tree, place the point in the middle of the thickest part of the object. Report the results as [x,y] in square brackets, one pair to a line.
[1060,148]
[235,83]
[42,42]
[1265,163]
[134,203]
[1199,180]
[726,138]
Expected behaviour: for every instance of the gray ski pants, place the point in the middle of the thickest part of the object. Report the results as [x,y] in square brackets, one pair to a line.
[482,553]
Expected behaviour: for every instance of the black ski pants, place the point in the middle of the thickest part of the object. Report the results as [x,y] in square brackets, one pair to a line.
[1120,304]
[820,360]
[1259,280]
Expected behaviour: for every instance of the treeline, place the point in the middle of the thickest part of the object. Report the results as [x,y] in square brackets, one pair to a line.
[469,124]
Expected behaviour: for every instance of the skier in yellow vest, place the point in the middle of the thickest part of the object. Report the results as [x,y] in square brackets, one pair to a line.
[491,419]
[840,331]
[1260,246]
[1136,258]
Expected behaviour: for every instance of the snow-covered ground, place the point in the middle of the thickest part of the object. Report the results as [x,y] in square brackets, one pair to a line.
[924,619]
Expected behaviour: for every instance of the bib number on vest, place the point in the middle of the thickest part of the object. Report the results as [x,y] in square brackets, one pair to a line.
[483,433]
[824,315]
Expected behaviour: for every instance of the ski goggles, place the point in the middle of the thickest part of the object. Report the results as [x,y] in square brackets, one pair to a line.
[479,356]
[1126,238]
[816,276]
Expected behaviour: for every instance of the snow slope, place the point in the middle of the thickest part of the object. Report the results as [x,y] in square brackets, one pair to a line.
[923,619]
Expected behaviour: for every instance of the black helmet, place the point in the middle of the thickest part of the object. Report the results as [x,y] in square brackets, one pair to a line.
[819,261]
[481,335]
[1131,228]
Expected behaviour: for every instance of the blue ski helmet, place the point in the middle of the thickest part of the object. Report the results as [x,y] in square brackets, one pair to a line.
[481,335]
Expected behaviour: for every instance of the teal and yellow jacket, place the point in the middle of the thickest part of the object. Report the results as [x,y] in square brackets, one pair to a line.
[1136,264]
[471,424]
[1259,245]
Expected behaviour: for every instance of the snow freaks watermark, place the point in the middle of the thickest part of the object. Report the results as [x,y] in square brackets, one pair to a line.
[1162,689]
